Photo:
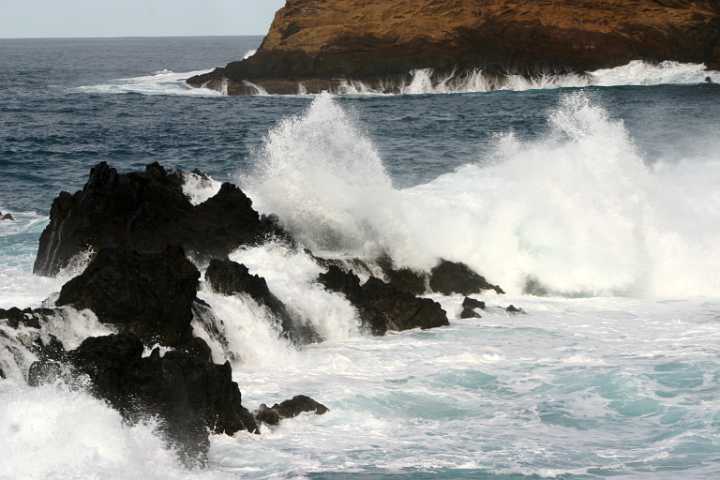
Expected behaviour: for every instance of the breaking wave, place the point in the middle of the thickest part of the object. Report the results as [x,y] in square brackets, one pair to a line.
[637,72]
[163,82]
[425,82]
[580,210]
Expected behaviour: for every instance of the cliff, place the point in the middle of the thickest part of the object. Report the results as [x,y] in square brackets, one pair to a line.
[319,42]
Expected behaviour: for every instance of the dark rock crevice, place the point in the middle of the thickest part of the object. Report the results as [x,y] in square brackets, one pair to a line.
[230,278]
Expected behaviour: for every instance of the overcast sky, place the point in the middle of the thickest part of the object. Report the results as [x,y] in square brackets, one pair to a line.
[119,18]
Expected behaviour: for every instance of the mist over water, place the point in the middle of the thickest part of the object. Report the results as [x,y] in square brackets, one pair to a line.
[605,196]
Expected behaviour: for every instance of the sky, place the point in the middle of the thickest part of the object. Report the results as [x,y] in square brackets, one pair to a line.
[126,18]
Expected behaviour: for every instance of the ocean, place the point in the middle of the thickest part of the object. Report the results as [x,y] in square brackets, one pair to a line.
[601,193]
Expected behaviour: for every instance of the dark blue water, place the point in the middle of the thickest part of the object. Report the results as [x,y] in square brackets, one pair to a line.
[51,131]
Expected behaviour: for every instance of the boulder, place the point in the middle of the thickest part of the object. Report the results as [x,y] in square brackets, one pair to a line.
[450,277]
[320,43]
[470,307]
[188,393]
[289,409]
[150,295]
[513,310]
[230,278]
[381,306]
[147,211]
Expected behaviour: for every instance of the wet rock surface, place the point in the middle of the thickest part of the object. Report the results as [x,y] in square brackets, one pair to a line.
[289,409]
[147,294]
[189,393]
[470,307]
[381,306]
[450,277]
[147,211]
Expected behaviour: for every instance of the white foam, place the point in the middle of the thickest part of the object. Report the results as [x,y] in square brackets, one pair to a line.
[578,209]
[637,72]
[292,276]
[52,432]
[164,82]
[200,188]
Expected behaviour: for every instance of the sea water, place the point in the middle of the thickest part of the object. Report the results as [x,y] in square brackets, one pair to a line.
[601,192]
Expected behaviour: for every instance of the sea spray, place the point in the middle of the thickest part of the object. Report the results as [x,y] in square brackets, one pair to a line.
[580,209]
[292,276]
[426,82]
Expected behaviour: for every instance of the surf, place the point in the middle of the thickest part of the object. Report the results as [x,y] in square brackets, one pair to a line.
[581,210]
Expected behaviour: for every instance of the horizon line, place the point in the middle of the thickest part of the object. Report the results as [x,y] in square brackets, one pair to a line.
[103,37]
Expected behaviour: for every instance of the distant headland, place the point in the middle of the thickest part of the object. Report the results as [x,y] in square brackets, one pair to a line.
[313,45]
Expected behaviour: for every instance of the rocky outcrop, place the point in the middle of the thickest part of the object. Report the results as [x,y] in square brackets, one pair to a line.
[289,409]
[184,389]
[230,278]
[318,43]
[403,278]
[381,306]
[147,212]
[450,277]
[150,295]
[470,307]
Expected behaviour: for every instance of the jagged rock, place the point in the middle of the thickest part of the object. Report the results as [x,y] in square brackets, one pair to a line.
[470,307]
[289,409]
[347,283]
[513,310]
[319,43]
[147,212]
[383,307]
[6,216]
[148,294]
[450,277]
[403,278]
[186,391]
[230,278]
[346,264]
[267,415]
[297,405]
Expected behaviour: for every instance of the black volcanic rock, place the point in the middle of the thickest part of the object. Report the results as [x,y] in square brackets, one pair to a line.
[189,394]
[230,278]
[450,277]
[148,294]
[146,211]
[383,307]
[513,310]
[347,283]
[470,307]
[289,409]
[403,278]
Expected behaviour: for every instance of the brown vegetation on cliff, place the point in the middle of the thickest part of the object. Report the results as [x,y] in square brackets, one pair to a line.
[320,41]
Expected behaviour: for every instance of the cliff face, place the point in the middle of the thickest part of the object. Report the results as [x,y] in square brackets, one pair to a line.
[317,42]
